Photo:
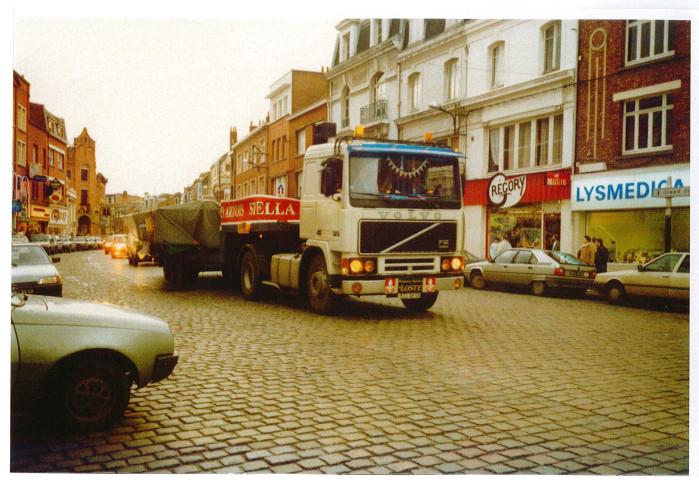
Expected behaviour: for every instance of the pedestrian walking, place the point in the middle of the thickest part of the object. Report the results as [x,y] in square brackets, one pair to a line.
[601,256]
[494,247]
[585,254]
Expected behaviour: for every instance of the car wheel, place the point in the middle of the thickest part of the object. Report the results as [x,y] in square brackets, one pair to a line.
[420,304]
[92,395]
[616,295]
[250,283]
[320,297]
[538,288]
[477,280]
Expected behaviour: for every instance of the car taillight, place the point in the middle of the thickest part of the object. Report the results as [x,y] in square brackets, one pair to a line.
[593,274]
[559,272]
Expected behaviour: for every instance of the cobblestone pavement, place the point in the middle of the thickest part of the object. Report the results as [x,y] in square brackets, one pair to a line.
[485,382]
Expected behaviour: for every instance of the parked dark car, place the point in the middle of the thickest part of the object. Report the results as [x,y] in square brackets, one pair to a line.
[34,272]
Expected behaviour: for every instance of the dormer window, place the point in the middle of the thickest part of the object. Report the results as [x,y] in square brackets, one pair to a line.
[378,31]
[345,47]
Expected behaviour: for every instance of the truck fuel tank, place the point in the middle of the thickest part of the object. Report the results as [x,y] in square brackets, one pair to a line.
[285,270]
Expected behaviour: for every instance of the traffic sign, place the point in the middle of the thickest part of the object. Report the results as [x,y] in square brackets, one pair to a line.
[669,192]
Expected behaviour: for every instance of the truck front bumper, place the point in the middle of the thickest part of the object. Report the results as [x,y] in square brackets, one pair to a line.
[390,285]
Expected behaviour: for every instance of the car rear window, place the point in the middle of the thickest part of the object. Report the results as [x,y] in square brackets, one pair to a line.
[564,258]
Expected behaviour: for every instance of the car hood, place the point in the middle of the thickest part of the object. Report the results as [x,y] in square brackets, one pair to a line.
[603,277]
[481,263]
[43,310]
[32,273]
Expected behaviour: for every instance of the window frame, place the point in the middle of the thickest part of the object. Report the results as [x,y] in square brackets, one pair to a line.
[637,112]
[21,153]
[555,45]
[300,141]
[513,131]
[496,60]
[668,40]
[414,92]
[451,80]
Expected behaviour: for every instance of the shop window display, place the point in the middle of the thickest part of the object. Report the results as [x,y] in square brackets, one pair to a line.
[521,226]
[639,235]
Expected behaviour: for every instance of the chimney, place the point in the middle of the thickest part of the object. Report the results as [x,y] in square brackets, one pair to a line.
[233,136]
[252,127]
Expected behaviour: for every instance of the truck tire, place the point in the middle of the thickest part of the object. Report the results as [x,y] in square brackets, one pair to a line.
[420,304]
[167,270]
[250,283]
[320,297]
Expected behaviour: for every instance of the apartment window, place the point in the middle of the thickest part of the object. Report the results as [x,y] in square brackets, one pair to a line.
[246,189]
[552,48]
[414,91]
[239,163]
[21,118]
[83,174]
[378,30]
[246,163]
[496,65]
[83,197]
[532,143]
[21,153]
[378,88]
[345,47]
[284,142]
[300,141]
[51,158]
[262,150]
[59,160]
[284,100]
[647,39]
[299,179]
[262,185]
[253,187]
[238,191]
[35,154]
[450,85]
[345,107]
[648,123]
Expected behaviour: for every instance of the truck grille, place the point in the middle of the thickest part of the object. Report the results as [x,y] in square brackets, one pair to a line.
[406,237]
[409,265]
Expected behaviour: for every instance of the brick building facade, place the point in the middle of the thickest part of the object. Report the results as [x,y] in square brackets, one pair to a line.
[89,185]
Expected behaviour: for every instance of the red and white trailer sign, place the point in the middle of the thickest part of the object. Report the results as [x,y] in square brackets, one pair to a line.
[260,208]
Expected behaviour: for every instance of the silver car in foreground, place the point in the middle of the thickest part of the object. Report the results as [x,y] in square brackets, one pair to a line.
[76,361]
[33,271]
[665,278]
[539,270]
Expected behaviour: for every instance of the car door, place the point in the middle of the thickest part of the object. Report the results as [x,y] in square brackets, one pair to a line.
[653,278]
[500,270]
[522,269]
[679,281]
[14,347]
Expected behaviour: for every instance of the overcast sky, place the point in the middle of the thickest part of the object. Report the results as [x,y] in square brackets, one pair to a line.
[159,96]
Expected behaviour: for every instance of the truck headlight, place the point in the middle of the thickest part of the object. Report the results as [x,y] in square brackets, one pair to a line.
[452,264]
[357,266]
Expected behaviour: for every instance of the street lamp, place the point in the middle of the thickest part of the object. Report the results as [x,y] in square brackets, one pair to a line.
[454,115]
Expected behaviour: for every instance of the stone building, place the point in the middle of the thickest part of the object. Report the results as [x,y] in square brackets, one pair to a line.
[89,185]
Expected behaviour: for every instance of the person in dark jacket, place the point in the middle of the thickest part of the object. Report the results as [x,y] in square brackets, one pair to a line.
[601,256]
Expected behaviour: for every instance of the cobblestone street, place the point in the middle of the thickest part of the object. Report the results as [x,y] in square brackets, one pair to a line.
[485,382]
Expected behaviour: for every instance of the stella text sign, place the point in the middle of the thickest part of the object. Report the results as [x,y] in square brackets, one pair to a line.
[260,208]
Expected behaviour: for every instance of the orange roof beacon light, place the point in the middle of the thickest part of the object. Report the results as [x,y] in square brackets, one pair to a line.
[358,131]
[428,137]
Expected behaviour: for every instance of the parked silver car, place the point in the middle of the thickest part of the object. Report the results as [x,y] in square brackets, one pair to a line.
[19,238]
[539,270]
[76,361]
[46,241]
[664,278]
[34,272]
[68,243]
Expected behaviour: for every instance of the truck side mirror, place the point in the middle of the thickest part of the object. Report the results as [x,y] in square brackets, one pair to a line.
[331,176]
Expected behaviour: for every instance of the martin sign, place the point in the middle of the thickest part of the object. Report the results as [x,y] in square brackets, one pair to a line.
[506,192]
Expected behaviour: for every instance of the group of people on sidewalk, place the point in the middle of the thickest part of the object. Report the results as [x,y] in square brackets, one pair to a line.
[597,256]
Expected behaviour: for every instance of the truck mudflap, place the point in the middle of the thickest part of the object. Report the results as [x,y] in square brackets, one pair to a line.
[401,287]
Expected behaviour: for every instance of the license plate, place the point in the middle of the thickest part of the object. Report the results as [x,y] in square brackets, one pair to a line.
[578,273]
[23,290]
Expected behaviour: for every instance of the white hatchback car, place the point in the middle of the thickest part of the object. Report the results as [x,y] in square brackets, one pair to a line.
[664,278]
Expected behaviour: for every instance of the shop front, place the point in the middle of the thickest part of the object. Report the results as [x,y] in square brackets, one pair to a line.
[527,210]
[40,217]
[620,208]
[58,225]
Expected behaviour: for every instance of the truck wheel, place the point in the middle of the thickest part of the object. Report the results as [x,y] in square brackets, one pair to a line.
[420,304]
[135,261]
[320,297]
[250,283]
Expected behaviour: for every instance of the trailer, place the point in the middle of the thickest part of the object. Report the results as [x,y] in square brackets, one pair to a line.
[376,217]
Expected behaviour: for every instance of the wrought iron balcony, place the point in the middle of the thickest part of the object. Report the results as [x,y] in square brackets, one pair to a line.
[373,112]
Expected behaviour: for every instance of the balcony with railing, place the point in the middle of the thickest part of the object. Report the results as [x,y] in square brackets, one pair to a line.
[374,112]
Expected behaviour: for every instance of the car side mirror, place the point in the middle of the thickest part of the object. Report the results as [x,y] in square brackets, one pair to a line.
[640,267]
[56,259]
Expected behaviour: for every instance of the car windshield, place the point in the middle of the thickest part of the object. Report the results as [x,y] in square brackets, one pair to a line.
[28,255]
[39,238]
[19,236]
[564,258]
[65,238]
[664,263]
[119,239]
[404,180]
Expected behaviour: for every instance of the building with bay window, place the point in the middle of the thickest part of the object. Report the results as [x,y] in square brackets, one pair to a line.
[633,135]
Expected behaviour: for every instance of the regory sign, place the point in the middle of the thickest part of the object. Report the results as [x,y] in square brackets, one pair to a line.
[506,192]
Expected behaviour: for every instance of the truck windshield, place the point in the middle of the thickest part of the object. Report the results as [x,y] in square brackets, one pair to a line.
[398,180]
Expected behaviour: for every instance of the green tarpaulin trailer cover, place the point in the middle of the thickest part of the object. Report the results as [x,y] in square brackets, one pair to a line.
[196,223]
